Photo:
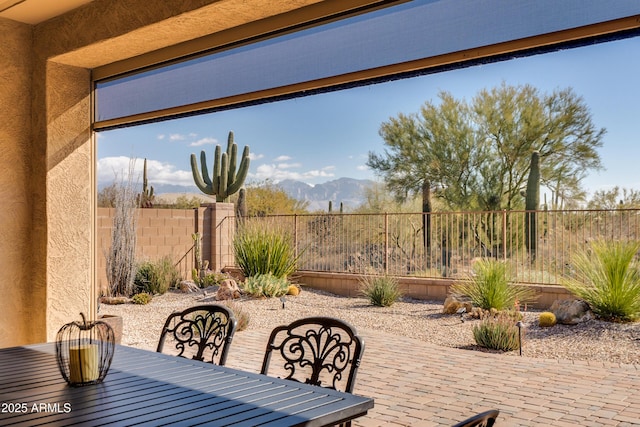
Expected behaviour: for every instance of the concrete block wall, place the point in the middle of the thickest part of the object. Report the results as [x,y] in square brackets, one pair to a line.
[160,232]
[348,284]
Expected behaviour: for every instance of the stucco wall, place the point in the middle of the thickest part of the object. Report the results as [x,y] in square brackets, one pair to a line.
[16,263]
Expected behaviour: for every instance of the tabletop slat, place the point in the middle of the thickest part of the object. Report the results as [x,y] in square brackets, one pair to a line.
[148,388]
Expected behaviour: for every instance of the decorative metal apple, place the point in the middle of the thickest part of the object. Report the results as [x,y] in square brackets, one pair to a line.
[84,351]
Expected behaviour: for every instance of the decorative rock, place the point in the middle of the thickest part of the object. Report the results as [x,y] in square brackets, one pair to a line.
[453,303]
[571,312]
[187,286]
[228,290]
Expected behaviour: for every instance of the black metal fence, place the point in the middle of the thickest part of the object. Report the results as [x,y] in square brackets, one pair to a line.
[445,244]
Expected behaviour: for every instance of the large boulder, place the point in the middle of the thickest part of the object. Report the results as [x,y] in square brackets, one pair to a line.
[187,286]
[571,312]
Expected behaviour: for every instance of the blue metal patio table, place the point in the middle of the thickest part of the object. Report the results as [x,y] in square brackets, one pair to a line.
[152,389]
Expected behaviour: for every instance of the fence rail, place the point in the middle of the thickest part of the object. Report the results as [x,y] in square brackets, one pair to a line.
[443,244]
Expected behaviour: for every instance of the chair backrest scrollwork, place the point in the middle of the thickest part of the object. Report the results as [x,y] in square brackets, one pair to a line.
[202,332]
[322,351]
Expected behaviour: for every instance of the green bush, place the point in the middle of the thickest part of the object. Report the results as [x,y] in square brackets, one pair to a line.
[142,298]
[490,286]
[262,250]
[156,277]
[210,278]
[497,332]
[382,291]
[607,277]
[266,285]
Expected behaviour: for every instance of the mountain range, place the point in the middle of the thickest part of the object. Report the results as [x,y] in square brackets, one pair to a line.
[348,191]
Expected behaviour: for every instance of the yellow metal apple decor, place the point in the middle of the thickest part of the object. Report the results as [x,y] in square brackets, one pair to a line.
[84,351]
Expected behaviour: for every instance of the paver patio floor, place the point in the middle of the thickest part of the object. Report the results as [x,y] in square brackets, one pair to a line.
[419,384]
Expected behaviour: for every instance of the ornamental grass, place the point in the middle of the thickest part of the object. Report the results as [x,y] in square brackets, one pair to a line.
[607,277]
[490,286]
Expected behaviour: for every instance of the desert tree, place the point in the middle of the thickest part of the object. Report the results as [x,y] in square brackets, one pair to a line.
[474,155]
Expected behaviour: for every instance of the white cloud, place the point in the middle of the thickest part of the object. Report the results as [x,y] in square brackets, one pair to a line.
[288,165]
[281,172]
[177,137]
[362,167]
[112,169]
[282,158]
[161,136]
[204,141]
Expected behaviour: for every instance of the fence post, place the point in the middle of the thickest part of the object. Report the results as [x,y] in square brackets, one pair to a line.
[295,233]
[386,243]
[504,234]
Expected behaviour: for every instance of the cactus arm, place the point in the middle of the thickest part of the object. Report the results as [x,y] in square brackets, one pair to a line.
[223,191]
[233,158]
[205,170]
[243,170]
[216,170]
[197,178]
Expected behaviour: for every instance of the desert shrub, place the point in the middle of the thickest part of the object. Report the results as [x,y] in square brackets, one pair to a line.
[382,291]
[262,250]
[607,277]
[142,298]
[242,316]
[210,278]
[490,286]
[156,277]
[120,257]
[266,285]
[497,332]
[546,319]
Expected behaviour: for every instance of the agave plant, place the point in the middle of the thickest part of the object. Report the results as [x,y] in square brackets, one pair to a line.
[607,277]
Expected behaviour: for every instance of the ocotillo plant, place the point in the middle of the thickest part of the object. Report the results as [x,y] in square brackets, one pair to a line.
[145,199]
[532,202]
[225,180]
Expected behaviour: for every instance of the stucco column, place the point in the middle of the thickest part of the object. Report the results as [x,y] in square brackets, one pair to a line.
[70,191]
[19,315]
[223,226]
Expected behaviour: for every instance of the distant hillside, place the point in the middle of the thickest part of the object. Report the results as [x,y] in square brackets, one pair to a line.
[348,191]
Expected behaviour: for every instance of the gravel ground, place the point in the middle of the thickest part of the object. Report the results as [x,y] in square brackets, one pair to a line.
[591,341]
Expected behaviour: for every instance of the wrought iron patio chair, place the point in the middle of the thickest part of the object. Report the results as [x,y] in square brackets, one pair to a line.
[484,419]
[202,332]
[322,351]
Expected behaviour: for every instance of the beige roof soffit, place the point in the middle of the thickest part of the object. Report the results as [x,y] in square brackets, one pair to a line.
[36,11]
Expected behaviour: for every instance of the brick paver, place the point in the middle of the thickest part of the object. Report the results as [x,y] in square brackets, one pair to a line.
[419,384]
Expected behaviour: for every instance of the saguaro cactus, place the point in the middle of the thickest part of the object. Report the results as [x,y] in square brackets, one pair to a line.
[145,199]
[225,180]
[532,202]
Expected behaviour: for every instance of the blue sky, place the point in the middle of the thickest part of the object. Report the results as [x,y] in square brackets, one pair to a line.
[325,137]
